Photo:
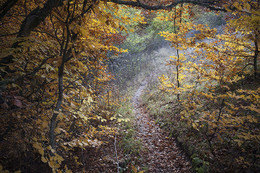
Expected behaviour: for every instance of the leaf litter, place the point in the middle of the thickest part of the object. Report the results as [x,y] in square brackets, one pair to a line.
[160,154]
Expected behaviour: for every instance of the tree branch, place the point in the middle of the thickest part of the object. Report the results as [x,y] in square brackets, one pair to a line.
[211,4]
[3,83]
[37,16]
[33,19]
[6,7]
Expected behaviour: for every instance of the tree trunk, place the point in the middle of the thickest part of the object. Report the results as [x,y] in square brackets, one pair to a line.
[58,105]
[256,55]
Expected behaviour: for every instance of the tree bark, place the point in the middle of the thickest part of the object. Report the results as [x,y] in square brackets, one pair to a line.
[58,105]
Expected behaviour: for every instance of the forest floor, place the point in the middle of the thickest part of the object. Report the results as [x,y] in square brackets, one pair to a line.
[160,154]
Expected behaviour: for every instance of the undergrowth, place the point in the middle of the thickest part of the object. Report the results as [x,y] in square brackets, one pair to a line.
[130,147]
[166,111]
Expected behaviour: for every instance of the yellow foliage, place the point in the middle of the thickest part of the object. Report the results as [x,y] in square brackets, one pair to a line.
[213,102]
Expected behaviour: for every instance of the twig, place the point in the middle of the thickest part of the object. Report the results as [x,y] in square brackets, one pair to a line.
[118,168]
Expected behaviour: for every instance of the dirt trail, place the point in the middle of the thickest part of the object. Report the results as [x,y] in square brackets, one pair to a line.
[160,154]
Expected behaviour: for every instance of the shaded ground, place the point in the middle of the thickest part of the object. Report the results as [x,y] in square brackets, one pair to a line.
[99,160]
[160,154]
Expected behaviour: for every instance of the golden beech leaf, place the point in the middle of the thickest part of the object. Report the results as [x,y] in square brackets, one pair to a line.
[59,158]
[41,151]
[237,5]
[36,145]
[51,163]
[44,160]
[68,171]
[247,6]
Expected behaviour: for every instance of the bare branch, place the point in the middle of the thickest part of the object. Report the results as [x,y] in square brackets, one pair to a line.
[211,4]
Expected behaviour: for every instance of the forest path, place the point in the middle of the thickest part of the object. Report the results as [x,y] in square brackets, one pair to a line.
[160,154]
